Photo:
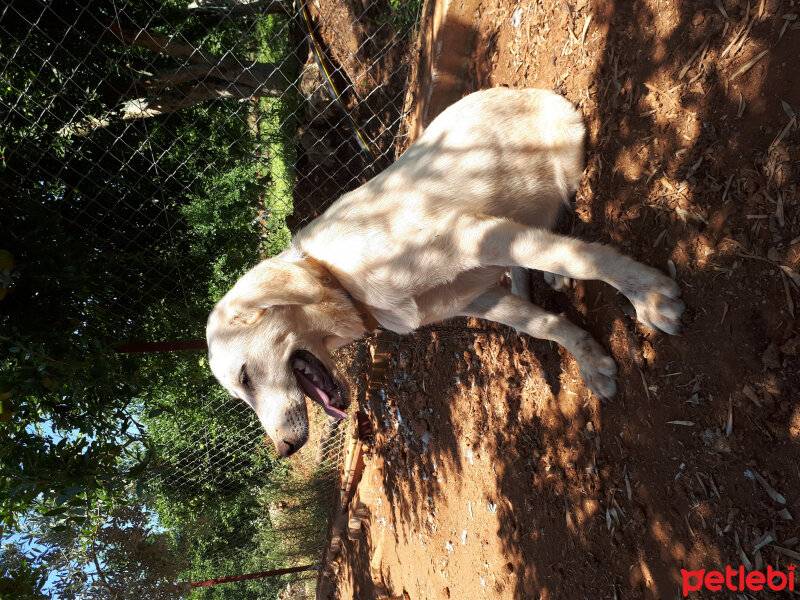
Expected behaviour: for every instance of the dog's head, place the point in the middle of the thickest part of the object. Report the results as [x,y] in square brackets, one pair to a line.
[269,342]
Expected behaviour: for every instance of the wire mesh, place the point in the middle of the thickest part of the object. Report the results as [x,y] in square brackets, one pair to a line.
[151,152]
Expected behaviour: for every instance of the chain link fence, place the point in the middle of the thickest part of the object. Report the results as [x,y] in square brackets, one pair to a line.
[151,152]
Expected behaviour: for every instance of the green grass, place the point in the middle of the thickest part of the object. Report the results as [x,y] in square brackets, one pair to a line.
[277,129]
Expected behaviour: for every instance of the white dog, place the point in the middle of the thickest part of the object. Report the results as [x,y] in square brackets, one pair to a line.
[426,240]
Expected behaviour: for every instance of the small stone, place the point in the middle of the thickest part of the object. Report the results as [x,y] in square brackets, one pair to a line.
[715,441]
[771,359]
[792,347]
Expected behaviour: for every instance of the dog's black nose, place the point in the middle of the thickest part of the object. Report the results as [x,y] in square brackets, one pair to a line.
[287,448]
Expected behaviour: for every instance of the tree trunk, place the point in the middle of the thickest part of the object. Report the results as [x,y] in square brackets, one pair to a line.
[206,77]
[239,8]
[264,79]
[155,106]
[162,44]
[277,572]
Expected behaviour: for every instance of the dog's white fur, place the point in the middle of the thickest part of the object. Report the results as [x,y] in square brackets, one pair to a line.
[428,239]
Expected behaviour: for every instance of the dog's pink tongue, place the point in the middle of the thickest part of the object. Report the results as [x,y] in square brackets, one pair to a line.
[319,396]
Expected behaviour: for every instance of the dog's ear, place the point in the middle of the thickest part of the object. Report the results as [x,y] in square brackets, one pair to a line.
[271,283]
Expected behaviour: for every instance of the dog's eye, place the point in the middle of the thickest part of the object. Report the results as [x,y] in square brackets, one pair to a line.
[244,378]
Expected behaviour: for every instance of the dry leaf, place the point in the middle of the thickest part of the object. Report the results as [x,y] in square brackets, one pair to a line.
[749,64]
[771,491]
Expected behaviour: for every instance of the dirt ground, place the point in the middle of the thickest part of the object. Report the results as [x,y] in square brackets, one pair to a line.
[495,473]
[371,62]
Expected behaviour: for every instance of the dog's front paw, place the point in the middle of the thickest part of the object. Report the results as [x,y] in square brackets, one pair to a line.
[597,367]
[657,303]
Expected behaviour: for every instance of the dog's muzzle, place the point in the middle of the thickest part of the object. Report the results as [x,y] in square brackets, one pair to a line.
[318,383]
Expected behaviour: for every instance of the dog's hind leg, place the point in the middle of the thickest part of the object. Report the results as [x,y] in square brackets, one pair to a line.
[597,367]
[555,281]
[521,282]
[509,244]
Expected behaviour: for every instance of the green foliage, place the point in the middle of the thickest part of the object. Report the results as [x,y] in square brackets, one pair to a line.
[212,458]
[122,556]
[215,215]
[60,443]
[403,15]
[128,234]
[20,577]
[121,236]
[125,474]
[294,511]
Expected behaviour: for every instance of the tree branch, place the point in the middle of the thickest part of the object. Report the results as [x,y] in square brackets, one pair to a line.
[210,77]
[146,108]
[162,44]
[263,78]
[100,574]
[143,108]
[239,8]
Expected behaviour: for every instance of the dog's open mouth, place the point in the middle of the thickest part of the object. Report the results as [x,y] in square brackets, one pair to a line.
[318,383]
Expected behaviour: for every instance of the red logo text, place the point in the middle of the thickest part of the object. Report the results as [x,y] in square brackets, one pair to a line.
[736,580]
